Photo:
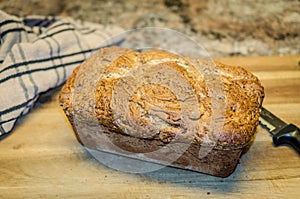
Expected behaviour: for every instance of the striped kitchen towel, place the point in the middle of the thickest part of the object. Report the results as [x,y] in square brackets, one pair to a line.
[39,53]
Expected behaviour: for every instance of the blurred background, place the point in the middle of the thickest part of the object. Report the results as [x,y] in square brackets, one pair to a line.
[225,28]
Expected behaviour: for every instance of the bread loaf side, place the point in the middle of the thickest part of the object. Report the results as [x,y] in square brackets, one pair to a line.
[160,107]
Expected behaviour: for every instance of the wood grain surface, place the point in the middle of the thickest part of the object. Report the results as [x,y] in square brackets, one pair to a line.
[42,158]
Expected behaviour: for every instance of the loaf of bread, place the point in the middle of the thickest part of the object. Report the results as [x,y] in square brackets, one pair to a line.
[157,106]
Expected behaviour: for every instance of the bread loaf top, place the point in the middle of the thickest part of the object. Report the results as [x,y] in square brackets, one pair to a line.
[160,95]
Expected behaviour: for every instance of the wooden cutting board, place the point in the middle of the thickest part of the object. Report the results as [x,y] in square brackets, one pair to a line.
[42,158]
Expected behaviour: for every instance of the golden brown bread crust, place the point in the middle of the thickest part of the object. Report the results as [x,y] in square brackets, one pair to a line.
[155,107]
[242,89]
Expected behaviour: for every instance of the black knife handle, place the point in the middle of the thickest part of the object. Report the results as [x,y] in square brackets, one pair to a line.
[289,135]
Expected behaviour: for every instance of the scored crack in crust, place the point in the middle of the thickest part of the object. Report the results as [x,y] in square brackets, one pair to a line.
[144,100]
[151,104]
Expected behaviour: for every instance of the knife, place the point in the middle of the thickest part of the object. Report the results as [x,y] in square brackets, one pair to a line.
[282,133]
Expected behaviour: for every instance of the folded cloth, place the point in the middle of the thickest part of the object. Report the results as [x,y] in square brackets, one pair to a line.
[39,53]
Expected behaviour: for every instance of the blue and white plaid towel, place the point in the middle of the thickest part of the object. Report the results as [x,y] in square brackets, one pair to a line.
[39,53]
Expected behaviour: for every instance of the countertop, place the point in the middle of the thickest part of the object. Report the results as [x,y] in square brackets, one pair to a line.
[42,158]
